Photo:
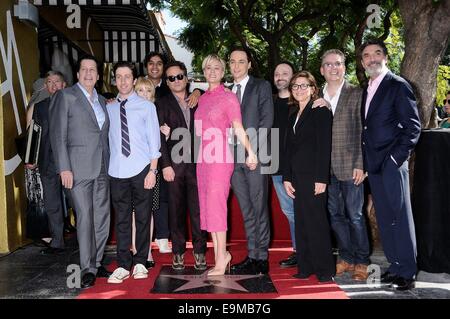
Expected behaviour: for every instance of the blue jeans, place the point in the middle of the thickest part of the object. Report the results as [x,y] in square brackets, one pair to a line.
[286,204]
[345,205]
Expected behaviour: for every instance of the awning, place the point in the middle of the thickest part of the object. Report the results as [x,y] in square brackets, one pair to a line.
[85,2]
[128,31]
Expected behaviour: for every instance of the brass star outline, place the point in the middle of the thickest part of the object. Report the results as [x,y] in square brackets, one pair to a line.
[223,281]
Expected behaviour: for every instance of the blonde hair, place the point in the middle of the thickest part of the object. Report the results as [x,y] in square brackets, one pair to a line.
[213,57]
[145,83]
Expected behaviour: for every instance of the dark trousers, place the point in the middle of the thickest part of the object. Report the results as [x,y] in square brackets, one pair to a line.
[312,230]
[161,216]
[51,185]
[251,189]
[183,194]
[126,194]
[390,193]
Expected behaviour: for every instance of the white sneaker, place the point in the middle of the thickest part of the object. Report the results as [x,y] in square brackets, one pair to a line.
[118,276]
[163,245]
[140,272]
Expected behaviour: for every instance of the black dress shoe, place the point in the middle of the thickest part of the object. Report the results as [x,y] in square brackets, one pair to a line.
[245,267]
[401,283]
[41,243]
[262,266]
[52,251]
[102,272]
[291,261]
[149,264]
[88,280]
[302,276]
[388,277]
[325,279]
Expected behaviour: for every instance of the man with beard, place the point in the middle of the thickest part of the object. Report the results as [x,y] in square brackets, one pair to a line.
[391,129]
[281,78]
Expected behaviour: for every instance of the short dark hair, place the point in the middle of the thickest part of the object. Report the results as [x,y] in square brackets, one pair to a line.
[242,49]
[448,93]
[374,41]
[87,57]
[287,63]
[179,64]
[152,54]
[124,64]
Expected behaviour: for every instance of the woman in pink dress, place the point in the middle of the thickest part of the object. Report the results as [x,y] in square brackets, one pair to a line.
[218,111]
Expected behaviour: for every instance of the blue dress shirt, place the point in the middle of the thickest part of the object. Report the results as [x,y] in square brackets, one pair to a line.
[143,130]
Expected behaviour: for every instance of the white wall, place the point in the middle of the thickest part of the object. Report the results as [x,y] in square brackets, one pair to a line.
[180,53]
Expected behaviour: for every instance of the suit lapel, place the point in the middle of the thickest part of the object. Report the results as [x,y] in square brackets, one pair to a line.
[176,107]
[343,100]
[86,104]
[305,114]
[379,94]
[247,92]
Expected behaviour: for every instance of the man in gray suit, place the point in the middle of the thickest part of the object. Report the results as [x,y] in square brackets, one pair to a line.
[346,193]
[79,138]
[251,186]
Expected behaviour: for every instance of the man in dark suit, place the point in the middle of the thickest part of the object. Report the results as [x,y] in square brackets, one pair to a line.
[79,138]
[155,63]
[346,192]
[51,184]
[251,186]
[179,169]
[391,129]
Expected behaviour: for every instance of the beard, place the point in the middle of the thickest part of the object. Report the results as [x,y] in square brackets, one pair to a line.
[282,85]
[374,69]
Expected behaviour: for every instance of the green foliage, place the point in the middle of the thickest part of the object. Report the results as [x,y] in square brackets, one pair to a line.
[443,84]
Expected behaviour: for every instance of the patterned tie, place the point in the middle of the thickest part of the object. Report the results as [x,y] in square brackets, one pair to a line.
[124,129]
[238,93]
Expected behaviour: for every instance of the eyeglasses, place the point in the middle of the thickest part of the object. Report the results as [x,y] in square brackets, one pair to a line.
[303,86]
[445,101]
[330,65]
[178,77]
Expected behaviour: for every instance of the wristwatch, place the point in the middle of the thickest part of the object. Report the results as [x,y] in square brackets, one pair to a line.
[154,170]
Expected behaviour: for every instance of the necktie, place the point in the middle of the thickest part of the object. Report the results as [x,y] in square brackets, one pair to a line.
[238,93]
[124,129]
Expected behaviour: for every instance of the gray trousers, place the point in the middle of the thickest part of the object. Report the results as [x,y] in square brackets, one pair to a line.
[251,189]
[51,186]
[91,201]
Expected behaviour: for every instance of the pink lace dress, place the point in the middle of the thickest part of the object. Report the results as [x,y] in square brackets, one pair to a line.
[216,111]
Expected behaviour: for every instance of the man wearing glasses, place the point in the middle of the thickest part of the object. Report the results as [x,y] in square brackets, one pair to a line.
[180,171]
[345,192]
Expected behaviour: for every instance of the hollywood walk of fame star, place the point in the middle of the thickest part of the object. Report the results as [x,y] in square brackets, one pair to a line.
[202,280]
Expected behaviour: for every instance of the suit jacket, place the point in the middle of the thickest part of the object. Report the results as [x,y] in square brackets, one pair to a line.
[346,152]
[308,149]
[392,125]
[169,112]
[78,144]
[162,90]
[257,112]
[46,162]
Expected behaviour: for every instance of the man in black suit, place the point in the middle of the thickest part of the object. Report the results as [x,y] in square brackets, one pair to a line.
[180,171]
[51,184]
[155,63]
[391,129]
[251,186]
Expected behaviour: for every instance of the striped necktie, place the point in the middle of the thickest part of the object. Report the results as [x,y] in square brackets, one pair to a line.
[124,129]
[238,93]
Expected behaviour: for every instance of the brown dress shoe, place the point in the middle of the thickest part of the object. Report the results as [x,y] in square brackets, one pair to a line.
[343,266]
[360,272]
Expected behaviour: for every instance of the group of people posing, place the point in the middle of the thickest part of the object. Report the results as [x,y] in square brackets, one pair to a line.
[155,144]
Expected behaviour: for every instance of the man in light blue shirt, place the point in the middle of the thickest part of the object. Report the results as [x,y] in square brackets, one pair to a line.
[134,141]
